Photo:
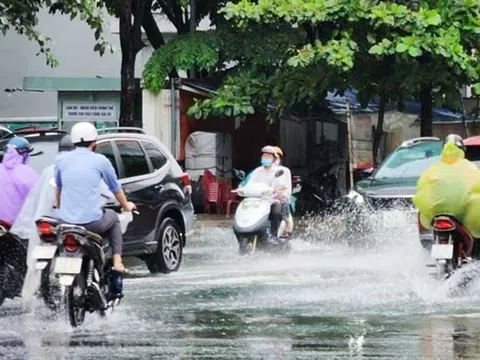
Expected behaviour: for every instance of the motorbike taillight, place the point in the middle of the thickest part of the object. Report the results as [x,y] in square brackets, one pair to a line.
[70,243]
[45,231]
[443,224]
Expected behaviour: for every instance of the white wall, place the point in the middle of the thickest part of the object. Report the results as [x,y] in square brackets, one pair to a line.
[74,42]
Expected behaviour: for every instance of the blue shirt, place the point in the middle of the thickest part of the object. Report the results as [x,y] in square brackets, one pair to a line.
[78,175]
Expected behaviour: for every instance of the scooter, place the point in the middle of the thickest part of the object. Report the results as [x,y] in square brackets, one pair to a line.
[77,268]
[13,267]
[251,222]
[449,239]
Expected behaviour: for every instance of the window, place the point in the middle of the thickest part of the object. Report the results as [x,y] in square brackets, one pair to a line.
[133,158]
[106,149]
[156,156]
[410,161]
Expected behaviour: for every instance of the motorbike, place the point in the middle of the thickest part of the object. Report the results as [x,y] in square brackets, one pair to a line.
[251,221]
[317,191]
[13,267]
[449,238]
[77,270]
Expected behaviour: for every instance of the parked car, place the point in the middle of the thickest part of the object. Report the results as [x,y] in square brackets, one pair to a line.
[151,178]
[392,186]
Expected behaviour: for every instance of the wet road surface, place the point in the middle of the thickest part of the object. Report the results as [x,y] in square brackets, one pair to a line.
[322,301]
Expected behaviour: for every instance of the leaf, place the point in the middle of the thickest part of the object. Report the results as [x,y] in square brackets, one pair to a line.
[434,18]
[414,51]
[401,48]
[376,50]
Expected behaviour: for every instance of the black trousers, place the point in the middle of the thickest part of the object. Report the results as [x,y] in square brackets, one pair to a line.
[275,218]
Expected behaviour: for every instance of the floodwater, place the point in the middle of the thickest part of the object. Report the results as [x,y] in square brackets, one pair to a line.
[324,300]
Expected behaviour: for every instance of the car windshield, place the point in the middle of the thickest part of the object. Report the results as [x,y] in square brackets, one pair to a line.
[410,162]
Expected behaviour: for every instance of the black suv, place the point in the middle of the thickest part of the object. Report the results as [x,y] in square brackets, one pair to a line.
[151,178]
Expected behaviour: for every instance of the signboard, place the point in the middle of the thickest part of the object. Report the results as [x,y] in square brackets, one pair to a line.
[80,111]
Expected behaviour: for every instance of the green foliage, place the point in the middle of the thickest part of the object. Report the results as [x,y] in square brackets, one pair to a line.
[212,50]
[21,16]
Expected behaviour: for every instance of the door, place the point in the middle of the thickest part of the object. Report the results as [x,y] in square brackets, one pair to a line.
[139,185]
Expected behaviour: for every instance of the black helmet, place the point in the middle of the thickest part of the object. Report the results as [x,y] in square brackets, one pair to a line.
[66,144]
[457,140]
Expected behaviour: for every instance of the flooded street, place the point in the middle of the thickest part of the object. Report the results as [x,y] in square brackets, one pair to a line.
[322,301]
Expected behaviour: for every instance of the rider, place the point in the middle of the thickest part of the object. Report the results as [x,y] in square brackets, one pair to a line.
[458,141]
[78,176]
[265,174]
[16,178]
[285,201]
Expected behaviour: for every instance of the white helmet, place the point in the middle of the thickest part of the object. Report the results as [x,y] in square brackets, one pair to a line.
[269,150]
[83,132]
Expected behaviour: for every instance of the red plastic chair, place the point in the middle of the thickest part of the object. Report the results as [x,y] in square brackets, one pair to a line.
[212,191]
[233,198]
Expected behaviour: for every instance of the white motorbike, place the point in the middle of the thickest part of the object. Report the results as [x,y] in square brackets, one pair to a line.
[251,222]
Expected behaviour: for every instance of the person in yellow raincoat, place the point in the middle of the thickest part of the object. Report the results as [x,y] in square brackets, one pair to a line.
[446,188]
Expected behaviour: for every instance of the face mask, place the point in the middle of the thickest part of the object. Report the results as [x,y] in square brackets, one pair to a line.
[267,162]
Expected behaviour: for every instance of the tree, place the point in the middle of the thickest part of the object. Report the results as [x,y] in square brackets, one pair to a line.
[433,40]
[22,17]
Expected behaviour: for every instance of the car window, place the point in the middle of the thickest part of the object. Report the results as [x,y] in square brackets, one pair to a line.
[133,158]
[473,153]
[410,161]
[106,149]
[157,158]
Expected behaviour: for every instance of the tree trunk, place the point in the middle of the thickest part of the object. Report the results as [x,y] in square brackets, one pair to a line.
[377,137]
[426,112]
[131,44]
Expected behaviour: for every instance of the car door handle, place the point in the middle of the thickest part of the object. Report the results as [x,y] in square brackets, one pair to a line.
[158,187]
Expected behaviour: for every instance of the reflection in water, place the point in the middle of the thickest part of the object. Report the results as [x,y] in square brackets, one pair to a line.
[455,337]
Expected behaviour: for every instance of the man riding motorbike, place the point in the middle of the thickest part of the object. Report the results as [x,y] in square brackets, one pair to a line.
[265,174]
[16,178]
[285,201]
[78,177]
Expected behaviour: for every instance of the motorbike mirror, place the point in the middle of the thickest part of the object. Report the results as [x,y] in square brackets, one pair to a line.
[37,153]
[279,173]
[239,174]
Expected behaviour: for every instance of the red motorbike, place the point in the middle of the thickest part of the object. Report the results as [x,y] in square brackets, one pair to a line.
[452,245]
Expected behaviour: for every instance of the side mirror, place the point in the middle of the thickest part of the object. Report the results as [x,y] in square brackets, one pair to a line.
[279,173]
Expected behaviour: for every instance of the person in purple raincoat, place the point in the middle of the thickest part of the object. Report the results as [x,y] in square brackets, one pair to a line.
[16,178]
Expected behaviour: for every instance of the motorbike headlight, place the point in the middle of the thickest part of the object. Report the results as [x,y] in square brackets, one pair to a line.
[356,197]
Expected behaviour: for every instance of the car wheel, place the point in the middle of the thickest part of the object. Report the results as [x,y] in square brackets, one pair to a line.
[169,249]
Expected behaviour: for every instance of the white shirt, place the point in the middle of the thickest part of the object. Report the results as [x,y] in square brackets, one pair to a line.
[266,176]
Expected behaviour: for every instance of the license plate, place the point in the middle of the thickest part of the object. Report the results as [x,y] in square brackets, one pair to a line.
[44,252]
[439,252]
[65,265]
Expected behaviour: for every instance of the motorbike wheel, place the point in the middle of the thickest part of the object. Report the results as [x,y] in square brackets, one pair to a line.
[74,300]
[50,291]
[247,245]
